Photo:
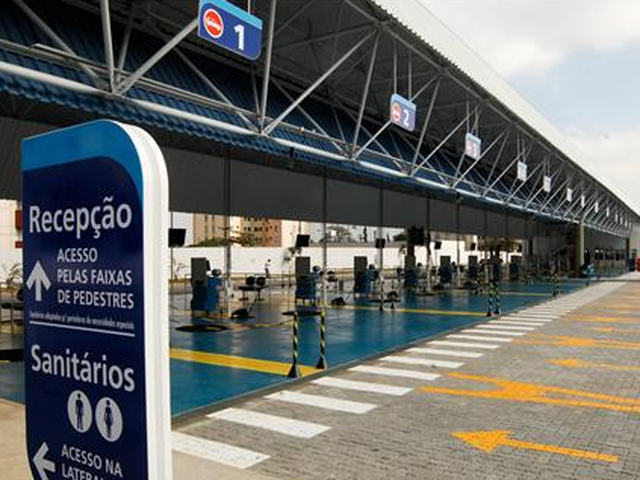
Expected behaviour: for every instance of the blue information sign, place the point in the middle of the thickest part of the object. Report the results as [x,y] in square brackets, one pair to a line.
[224,24]
[96,346]
[403,112]
[472,146]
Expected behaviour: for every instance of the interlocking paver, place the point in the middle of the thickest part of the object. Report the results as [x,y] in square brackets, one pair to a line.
[410,437]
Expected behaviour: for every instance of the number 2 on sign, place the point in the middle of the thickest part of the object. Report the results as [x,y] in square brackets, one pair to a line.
[239,29]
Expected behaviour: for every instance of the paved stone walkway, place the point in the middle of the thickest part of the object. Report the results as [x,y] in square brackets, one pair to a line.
[552,392]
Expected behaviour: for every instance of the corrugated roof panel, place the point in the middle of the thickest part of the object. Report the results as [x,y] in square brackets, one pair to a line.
[417,18]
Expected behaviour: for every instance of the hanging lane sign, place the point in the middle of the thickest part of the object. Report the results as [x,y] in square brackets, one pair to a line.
[403,112]
[224,24]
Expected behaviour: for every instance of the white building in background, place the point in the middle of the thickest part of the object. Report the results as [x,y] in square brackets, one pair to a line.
[266,232]
[10,225]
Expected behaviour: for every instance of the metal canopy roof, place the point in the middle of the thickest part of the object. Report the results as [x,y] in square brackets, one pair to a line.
[325,78]
[422,23]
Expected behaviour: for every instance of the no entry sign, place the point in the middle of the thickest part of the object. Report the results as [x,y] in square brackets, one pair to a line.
[230,27]
[96,348]
[403,112]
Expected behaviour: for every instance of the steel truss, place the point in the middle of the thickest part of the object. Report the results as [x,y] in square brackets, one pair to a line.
[356,68]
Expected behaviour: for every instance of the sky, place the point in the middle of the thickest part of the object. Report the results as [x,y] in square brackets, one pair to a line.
[576,61]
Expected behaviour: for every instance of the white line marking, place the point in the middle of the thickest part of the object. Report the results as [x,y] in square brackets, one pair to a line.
[481,337]
[82,329]
[505,327]
[493,332]
[215,451]
[547,312]
[485,346]
[425,362]
[318,401]
[286,426]
[451,353]
[362,386]
[395,372]
[528,319]
[523,323]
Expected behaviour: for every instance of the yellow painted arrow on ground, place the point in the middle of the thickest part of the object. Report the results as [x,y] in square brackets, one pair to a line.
[535,393]
[613,330]
[577,363]
[598,319]
[489,441]
[563,341]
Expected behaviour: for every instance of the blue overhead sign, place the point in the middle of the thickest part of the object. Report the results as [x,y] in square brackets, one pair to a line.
[230,27]
[473,147]
[96,347]
[403,112]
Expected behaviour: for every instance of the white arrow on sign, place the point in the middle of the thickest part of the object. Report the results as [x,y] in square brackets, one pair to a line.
[38,278]
[42,464]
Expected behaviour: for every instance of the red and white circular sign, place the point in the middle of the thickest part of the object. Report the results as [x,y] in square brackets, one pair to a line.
[213,23]
[396,112]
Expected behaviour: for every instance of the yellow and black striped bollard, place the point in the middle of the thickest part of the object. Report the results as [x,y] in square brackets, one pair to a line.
[322,362]
[489,299]
[294,372]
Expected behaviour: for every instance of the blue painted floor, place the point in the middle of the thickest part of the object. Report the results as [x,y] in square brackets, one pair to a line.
[12,381]
[353,333]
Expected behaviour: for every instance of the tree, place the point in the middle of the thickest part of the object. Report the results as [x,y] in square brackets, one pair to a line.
[341,234]
[244,239]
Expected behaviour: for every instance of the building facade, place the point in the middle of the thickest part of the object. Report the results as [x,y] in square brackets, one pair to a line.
[259,232]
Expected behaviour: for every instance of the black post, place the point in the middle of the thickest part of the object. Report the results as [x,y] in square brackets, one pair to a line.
[294,372]
[322,362]
[489,297]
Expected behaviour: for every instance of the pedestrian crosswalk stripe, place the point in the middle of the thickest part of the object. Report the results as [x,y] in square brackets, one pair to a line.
[524,323]
[283,425]
[395,372]
[446,343]
[425,362]
[318,401]
[362,386]
[481,337]
[528,319]
[506,327]
[493,331]
[216,451]
[451,353]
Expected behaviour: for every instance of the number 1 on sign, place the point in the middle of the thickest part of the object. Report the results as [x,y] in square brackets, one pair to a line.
[240,31]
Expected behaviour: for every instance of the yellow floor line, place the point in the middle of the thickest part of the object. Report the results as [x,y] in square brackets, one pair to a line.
[412,310]
[243,363]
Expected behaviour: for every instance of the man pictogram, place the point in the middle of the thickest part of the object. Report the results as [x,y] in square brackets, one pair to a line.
[79,413]
[108,419]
